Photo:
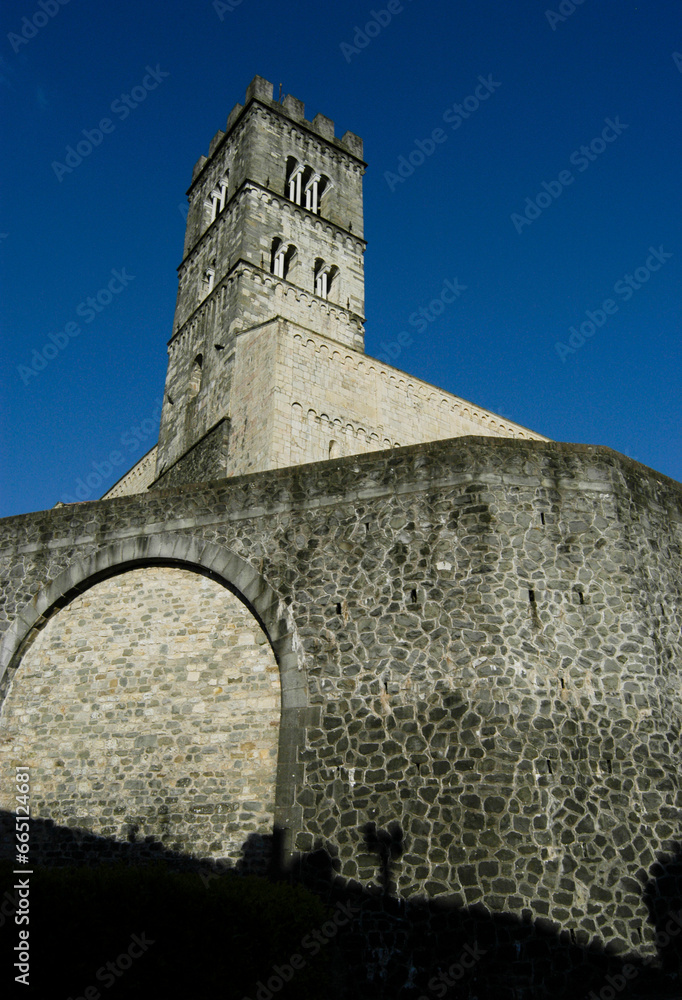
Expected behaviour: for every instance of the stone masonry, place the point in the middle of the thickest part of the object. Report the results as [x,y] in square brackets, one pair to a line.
[137,702]
[477,639]
[334,599]
[266,361]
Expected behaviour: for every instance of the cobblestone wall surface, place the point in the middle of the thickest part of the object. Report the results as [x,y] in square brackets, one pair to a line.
[479,641]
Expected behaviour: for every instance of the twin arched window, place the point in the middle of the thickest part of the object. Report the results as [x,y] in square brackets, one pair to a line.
[281,258]
[304,185]
[324,277]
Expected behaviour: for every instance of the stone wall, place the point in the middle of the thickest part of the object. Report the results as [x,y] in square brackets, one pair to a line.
[478,640]
[296,398]
[330,394]
[207,460]
[148,707]
[136,480]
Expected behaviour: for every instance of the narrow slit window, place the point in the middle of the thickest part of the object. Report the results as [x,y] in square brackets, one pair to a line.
[195,375]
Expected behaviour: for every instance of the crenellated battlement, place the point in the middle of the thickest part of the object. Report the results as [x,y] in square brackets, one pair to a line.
[289,107]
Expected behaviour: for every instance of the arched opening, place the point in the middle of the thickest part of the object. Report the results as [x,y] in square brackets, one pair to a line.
[323,185]
[325,277]
[281,258]
[150,704]
[294,179]
[304,185]
[217,199]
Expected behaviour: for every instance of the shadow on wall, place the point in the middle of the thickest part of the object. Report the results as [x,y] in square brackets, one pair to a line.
[144,921]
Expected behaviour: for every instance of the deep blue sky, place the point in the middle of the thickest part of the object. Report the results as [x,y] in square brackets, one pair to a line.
[554,88]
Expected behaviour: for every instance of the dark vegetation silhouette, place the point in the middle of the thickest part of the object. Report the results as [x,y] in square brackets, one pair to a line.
[232,932]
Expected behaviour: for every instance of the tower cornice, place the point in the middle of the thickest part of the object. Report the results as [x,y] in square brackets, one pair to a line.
[242,266]
[282,201]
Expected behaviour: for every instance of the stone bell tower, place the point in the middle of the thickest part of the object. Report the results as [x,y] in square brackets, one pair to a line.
[274,241]
[267,365]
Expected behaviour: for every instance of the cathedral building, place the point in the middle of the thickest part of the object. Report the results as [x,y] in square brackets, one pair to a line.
[334,598]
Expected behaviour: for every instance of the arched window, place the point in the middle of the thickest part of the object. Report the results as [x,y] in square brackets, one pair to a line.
[324,277]
[294,183]
[281,258]
[304,185]
[194,383]
[278,258]
[312,193]
[217,199]
[322,280]
[315,186]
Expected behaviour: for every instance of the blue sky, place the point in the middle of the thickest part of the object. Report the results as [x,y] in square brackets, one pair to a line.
[496,198]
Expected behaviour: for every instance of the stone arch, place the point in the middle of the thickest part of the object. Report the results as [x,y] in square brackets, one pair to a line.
[225,568]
